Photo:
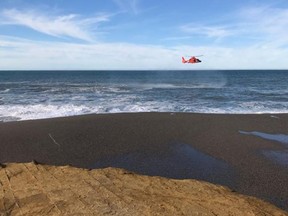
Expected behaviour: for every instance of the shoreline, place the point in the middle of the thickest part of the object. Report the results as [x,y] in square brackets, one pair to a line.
[83,141]
[272,115]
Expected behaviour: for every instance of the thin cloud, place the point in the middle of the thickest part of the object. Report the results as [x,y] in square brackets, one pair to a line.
[207,31]
[25,54]
[70,25]
[177,38]
[128,5]
[271,23]
[263,25]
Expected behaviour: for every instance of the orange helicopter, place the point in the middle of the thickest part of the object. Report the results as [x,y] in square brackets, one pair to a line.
[191,60]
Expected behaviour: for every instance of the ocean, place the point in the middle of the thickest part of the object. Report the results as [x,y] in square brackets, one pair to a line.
[46,94]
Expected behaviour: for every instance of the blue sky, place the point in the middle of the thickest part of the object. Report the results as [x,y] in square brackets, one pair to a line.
[143,34]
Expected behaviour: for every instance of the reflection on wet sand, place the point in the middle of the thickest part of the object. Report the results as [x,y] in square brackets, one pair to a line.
[179,161]
[280,157]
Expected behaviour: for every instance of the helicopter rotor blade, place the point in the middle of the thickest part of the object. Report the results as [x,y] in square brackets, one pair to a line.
[189,56]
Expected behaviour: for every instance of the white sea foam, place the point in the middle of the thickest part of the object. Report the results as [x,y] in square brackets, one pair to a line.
[128,104]
[5,91]
[149,86]
[276,117]
[40,111]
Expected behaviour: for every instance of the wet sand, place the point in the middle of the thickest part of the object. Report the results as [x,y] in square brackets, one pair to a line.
[162,144]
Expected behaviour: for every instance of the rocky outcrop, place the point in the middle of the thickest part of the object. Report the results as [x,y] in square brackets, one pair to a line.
[34,189]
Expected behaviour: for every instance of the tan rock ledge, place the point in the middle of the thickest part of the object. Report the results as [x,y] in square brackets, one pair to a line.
[33,189]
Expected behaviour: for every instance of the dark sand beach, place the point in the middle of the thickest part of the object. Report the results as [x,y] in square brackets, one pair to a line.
[213,147]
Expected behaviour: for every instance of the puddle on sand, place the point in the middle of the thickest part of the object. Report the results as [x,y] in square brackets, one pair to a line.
[280,157]
[179,161]
[282,138]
